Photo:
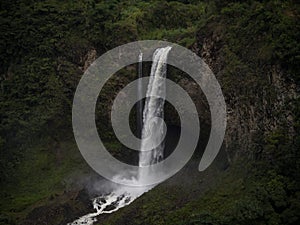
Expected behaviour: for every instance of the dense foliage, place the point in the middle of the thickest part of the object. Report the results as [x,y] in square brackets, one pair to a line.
[44,48]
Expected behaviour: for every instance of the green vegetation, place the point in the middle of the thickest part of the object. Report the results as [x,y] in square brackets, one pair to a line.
[254,195]
[44,47]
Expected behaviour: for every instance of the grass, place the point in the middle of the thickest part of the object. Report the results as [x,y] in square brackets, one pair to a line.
[38,177]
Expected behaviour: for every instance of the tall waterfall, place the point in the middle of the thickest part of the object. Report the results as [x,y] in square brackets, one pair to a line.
[151,120]
[154,111]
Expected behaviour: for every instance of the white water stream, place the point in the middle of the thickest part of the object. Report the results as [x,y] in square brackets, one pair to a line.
[153,115]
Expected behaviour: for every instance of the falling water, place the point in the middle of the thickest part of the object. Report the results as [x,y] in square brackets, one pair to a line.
[151,121]
[154,110]
[139,106]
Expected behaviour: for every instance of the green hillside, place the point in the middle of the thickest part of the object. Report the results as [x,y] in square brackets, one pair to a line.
[251,46]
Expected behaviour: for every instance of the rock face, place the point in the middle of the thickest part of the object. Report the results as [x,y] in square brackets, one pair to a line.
[89,58]
[257,104]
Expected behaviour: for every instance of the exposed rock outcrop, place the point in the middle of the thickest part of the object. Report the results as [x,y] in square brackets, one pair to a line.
[257,104]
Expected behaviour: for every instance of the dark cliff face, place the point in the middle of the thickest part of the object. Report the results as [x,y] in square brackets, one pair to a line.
[260,99]
[260,96]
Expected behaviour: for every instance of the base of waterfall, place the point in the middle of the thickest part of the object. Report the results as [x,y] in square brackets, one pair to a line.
[108,203]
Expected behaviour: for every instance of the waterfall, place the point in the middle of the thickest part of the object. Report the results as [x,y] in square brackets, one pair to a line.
[153,113]
[149,121]
[139,105]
